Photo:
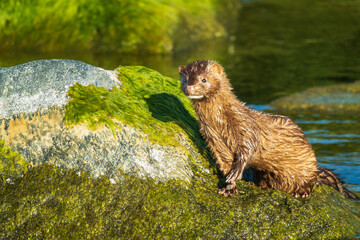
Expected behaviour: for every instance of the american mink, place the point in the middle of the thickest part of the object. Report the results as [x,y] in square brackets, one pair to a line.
[239,137]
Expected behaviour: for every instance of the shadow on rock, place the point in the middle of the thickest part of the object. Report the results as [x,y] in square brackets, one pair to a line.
[168,108]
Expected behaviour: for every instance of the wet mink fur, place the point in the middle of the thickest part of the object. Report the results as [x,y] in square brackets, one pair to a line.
[239,137]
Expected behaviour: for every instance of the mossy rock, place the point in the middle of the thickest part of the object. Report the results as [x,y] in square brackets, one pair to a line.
[111,26]
[344,98]
[49,202]
[146,127]
[61,198]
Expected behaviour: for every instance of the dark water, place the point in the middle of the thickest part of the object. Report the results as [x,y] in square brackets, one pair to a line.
[278,47]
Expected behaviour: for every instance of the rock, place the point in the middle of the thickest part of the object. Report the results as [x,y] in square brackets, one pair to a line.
[27,87]
[33,113]
[335,98]
[129,163]
[70,205]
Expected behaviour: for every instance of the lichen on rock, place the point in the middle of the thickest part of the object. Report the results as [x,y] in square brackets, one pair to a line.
[12,164]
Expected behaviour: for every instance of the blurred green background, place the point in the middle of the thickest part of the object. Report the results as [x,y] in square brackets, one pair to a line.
[114,26]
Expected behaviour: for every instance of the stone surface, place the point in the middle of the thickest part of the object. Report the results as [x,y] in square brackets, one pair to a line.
[36,128]
[44,139]
[26,87]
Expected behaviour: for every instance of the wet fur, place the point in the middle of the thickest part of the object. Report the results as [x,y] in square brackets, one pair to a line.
[239,137]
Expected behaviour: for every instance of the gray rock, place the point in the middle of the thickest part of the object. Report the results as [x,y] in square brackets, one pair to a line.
[44,139]
[27,87]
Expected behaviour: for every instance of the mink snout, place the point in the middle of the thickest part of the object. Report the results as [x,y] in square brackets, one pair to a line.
[190,90]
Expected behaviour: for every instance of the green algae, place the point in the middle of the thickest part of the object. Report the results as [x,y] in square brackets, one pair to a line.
[12,164]
[153,26]
[49,202]
[146,100]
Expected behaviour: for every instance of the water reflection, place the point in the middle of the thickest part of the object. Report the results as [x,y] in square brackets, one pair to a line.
[284,46]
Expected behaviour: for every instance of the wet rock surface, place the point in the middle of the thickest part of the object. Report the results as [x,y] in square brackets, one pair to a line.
[335,98]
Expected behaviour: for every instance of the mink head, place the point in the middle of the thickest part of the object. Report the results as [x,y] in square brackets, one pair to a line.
[202,79]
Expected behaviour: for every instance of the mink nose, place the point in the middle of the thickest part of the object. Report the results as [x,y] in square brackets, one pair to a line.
[190,89]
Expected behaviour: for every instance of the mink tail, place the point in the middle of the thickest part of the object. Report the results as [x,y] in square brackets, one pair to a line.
[329,178]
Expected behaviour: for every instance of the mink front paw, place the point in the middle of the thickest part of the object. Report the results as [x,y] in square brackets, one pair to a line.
[230,190]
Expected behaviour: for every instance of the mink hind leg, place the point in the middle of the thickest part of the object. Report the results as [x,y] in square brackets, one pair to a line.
[268,181]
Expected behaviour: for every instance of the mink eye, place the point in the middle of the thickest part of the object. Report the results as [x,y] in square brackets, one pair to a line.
[204,80]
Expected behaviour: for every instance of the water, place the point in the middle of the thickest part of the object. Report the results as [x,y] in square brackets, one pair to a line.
[278,47]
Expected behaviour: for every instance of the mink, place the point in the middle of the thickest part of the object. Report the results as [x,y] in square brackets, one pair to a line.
[240,138]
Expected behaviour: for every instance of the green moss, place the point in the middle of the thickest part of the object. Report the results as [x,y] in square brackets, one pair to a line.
[12,164]
[146,100]
[126,26]
[51,203]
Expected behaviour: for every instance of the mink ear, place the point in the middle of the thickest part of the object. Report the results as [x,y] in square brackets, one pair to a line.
[217,68]
[181,69]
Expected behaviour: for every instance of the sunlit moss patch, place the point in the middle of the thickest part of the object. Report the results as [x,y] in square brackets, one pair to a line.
[146,100]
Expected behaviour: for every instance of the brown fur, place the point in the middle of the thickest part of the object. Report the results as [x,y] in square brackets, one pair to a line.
[239,137]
